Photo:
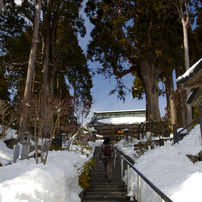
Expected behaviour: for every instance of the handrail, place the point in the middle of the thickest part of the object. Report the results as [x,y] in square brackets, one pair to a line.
[175,133]
[187,126]
[158,191]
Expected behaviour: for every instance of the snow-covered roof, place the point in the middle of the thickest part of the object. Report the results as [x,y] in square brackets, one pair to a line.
[192,79]
[122,120]
[193,70]
[117,111]
[119,117]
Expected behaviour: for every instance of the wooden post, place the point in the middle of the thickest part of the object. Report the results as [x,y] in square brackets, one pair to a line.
[16,152]
[139,188]
[175,136]
[128,177]
[121,169]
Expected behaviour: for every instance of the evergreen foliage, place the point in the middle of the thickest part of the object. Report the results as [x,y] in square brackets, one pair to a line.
[130,31]
[130,36]
[60,25]
[4,86]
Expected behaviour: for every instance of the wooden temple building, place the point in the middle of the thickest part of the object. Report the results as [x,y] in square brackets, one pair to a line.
[113,123]
[192,78]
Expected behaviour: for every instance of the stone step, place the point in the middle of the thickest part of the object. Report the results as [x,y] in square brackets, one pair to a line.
[100,168]
[111,193]
[101,174]
[105,198]
[100,189]
[105,183]
[106,189]
[103,180]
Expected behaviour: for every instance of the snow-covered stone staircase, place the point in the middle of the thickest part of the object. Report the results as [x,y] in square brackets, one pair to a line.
[100,189]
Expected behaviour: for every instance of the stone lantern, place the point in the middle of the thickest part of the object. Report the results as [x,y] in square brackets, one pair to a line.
[126,133]
[64,140]
[26,137]
[93,134]
[127,142]
[140,131]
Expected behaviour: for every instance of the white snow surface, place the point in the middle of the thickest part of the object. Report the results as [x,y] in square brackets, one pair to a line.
[189,71]
[31,182]
[122,120]
[129,110]
[166,166]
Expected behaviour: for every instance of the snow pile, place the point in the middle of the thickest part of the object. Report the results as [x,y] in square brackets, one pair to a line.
[28,181]
[170,170]
[129,150]
[11,134]
[6,154]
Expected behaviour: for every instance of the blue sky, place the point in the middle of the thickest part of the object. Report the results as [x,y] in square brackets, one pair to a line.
[102,86]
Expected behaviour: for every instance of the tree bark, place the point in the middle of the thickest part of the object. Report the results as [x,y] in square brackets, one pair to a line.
[183,11]
[149,76]
[186,54]
[28,85]
[45,90]
[181,102]
[171,99]
[1,6]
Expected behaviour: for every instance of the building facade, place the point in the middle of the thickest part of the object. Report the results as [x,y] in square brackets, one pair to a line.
[112,123]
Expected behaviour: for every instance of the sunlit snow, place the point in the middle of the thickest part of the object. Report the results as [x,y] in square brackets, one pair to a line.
[167,167]
[189,71]
[122,120]
[170,170]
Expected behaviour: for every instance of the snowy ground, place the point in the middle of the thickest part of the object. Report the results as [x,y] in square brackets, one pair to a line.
[57,181]
[170,170]
[167,167]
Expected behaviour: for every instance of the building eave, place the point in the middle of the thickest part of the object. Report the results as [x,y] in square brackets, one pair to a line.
[191,72]
[195,98]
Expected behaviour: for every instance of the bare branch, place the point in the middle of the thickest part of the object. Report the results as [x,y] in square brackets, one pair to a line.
[8,117]
[57,110]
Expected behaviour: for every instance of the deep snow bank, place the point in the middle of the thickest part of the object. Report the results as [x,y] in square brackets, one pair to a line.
[170,170]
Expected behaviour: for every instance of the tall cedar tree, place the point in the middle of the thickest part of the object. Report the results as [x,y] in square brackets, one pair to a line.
[30,70]
[195,44]
[136,32]
[12,37]
[60,57]
[187,11]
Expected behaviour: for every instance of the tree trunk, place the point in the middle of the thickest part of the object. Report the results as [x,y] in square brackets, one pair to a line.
[186,54]
[49,67]
[186,46]
[28,85]
[168,102]
[182,106]
[45,90]
[171,99]
[181,102]
[149,76]
[1,6]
